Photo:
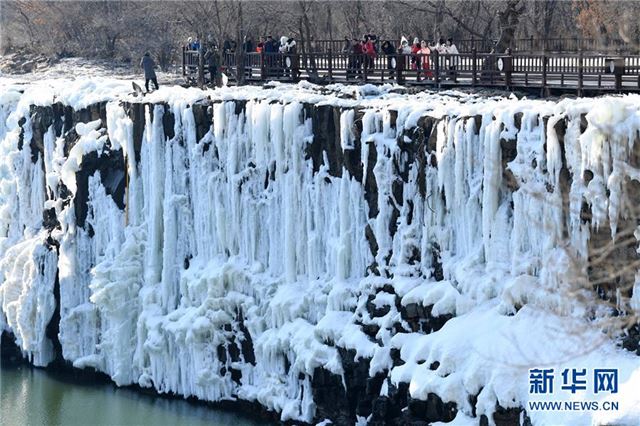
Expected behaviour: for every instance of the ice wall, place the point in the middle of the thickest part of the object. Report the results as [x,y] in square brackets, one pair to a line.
[340,253]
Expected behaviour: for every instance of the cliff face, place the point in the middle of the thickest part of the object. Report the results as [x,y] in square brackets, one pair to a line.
[323,256]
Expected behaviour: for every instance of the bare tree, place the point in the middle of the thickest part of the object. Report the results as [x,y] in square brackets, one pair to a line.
[123,30]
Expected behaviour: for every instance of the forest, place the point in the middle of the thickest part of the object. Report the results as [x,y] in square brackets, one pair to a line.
[121,31]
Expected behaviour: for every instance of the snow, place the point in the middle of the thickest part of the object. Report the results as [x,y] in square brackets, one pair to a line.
[239,225]
[441,295]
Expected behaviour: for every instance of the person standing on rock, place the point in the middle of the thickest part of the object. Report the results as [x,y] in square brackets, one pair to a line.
[149,71]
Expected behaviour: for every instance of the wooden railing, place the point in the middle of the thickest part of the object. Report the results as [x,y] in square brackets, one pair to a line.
[564,72]
[190,62]
[529,45]
[575,45]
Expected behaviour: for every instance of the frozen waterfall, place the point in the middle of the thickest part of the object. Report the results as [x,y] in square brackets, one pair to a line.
[291,245]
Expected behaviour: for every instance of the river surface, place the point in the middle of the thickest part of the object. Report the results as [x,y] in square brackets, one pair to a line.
[30,396]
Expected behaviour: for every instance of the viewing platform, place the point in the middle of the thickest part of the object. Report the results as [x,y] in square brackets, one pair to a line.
[581,72]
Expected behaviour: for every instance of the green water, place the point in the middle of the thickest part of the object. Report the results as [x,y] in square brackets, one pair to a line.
[31,396]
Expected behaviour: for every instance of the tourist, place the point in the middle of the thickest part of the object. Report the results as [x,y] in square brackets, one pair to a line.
[440,51]
[370,53]
[374,40]
[191,60]
[405,50]
[423,60]
[351,59]
[346,46]
[291,61]
[404,47]
[148,66]
[451,47]
[226,46]
[282,47]
[453,53]
[415,48]
[389,50]
[196,44]
[212,59]
[247,45]
[358,57]
[270,45]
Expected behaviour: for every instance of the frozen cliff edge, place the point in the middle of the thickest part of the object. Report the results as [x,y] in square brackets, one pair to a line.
[327,253]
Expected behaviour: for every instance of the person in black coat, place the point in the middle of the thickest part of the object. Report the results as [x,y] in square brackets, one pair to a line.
[389,51]
[358,57]
[226,46]
[248,46]
[270,45]
[149,71]
[269,48]
[212,59]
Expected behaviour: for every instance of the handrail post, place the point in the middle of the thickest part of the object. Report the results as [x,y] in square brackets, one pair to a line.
[241,76]
[200,67]
[330,64]
[364,60]
[508,66]
[263,71]
[580,72]
[544,73]
[474,66]
[494,68]
[399,67]
[184,58]
[436,66]
[618,74]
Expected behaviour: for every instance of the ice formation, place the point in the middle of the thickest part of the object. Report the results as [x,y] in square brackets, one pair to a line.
[268,244]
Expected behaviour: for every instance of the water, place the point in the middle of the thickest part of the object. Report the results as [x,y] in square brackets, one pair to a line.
[30,396]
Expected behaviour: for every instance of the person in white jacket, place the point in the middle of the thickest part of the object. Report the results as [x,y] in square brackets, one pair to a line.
[290,59]
[283,44]
[453,53]
[404,47]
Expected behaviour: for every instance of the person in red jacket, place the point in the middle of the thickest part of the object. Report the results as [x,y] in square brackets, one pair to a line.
[370,52]
[424,59]
[415,48]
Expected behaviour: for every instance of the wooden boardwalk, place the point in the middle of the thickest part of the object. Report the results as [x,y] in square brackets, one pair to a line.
[579,73]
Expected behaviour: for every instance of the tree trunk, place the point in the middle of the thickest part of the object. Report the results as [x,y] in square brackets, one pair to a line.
[313,68]
[508,21]
[111,46]
[200,66]
[239,48]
